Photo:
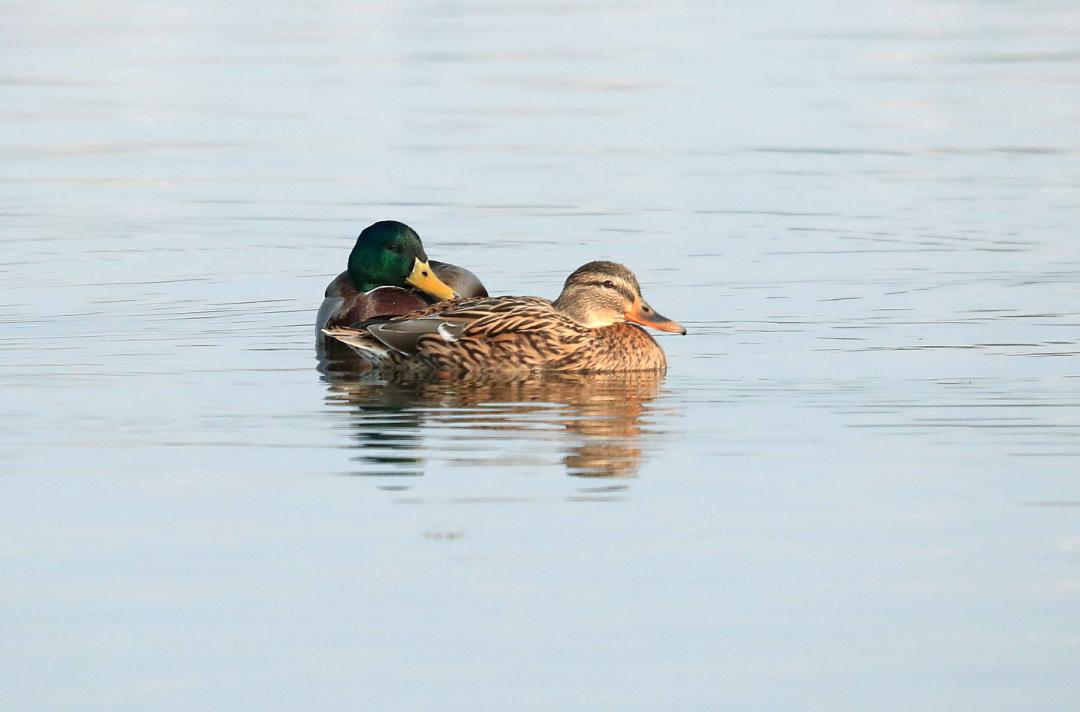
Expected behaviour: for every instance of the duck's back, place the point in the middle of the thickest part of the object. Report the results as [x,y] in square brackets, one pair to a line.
[512,336]
[461,280]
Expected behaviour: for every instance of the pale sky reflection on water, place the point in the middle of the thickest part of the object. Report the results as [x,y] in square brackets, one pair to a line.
[855,488]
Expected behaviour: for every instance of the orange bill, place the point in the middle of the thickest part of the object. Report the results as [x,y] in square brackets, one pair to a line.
[423,278]
[642,313]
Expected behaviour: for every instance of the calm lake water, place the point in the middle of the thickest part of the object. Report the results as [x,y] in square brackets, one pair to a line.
[858,486]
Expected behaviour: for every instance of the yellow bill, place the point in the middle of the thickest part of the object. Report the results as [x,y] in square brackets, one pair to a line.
[423,278]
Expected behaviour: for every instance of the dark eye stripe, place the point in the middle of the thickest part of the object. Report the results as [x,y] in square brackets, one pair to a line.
[617,287]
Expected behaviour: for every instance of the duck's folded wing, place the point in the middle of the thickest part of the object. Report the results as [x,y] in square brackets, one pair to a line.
[464,282]
[480,318]
[403,335]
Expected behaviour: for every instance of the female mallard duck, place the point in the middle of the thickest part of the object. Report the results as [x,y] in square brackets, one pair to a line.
[386,264]
[587,329]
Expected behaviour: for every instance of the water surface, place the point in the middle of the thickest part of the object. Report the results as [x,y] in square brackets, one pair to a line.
[856,488]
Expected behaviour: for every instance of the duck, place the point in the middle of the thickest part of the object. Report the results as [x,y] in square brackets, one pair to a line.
[389,274]
[593,326]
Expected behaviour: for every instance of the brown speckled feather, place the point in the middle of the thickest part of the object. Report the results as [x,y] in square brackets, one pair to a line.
[504,336]
[587,329]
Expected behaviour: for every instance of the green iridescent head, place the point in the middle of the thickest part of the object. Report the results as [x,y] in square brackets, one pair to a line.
[390,254]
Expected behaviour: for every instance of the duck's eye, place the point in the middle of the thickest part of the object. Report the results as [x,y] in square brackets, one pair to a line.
[609,284]
[394,247]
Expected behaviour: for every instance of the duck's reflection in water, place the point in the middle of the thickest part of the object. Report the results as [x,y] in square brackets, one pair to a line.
[594,425]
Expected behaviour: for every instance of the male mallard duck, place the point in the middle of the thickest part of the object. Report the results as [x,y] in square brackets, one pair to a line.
[585,330]
[387,261]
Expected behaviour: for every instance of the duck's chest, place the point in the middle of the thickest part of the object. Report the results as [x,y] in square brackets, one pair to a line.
[619,347]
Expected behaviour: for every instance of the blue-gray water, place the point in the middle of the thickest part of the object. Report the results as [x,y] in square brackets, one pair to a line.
[858,486]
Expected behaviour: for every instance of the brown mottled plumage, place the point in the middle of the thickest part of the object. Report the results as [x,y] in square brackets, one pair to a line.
[582,331]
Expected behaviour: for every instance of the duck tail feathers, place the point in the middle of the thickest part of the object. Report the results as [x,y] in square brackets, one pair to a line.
[360,341]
